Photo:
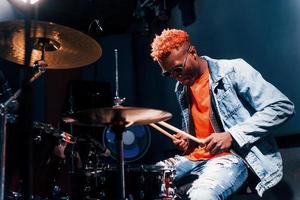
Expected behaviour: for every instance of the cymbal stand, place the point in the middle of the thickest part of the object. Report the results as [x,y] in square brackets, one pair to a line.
[118,127]
[72,153]
[3,121]
[117,100]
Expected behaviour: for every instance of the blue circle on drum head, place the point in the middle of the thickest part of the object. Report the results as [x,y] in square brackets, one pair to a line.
[136,142]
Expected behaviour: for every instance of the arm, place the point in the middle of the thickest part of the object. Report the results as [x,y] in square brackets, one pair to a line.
[272,108]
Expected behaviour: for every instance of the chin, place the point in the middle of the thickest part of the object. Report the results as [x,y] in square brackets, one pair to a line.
[187,82]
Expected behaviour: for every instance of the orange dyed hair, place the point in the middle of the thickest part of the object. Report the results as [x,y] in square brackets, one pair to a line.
[168,40]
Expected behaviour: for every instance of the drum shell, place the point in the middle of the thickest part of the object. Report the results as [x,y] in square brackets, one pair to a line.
[42,174]
[141,182]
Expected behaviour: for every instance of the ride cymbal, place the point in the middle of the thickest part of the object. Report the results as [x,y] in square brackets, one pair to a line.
[64,47]
[112,115]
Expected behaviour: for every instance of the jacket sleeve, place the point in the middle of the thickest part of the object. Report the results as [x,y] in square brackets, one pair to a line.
[272,108]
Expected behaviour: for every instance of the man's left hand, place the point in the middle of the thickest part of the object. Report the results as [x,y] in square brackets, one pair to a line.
[218,142]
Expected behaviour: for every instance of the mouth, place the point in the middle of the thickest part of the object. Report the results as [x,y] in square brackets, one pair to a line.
[182,80]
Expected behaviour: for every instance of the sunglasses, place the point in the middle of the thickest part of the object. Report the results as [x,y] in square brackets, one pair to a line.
[178,69]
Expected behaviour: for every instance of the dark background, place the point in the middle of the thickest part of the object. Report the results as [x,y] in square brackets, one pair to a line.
[264,33]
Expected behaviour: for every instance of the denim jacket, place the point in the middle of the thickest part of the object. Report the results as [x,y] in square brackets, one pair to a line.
[249,108]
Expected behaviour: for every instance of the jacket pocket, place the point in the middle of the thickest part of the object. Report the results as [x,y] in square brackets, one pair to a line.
[229,104]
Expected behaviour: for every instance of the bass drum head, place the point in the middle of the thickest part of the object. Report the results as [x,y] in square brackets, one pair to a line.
[136,142]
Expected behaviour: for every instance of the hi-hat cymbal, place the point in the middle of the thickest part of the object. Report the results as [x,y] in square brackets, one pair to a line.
[112,115]
[65,48]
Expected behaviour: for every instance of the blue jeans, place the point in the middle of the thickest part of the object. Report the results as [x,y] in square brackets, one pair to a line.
[217,178]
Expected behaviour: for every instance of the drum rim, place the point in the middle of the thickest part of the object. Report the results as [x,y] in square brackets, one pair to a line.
[136,168]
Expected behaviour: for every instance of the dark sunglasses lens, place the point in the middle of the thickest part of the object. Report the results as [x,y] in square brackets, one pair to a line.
[178,70]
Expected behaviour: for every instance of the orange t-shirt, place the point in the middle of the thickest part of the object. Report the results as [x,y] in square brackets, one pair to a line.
[200,110]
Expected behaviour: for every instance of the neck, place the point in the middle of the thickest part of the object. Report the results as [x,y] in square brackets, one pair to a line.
[203,65]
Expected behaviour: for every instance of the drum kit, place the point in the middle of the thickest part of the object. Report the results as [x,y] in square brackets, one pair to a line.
[56,47]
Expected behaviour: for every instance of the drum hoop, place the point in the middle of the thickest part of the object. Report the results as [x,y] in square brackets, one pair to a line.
[137,168]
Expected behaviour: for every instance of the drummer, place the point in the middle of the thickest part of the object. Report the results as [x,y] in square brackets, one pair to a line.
[229,105]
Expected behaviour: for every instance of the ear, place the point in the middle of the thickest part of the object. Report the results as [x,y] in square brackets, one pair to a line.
[193,51]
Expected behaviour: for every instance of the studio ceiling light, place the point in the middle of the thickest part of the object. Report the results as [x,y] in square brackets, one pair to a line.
[29,1]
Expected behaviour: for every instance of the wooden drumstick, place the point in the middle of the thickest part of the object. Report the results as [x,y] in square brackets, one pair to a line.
[173,128]
[162,131]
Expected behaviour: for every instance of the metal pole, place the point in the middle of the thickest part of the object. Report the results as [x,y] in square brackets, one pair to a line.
[117,100]
[118,129]
[3,149]
[3,133]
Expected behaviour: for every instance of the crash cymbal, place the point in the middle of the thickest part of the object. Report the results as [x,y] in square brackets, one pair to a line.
[65,48]
[112,115]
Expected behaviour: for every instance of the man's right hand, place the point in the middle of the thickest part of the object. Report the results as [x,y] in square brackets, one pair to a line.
[181,141]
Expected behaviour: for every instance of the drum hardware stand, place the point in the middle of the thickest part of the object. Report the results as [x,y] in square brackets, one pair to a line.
[118,127]
[3,115]
[118,118]
[117,100]
[37,35]
[72,153]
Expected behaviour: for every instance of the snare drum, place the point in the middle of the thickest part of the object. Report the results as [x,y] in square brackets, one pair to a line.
[142,182]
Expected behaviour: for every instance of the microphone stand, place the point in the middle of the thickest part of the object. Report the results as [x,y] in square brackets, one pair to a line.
[3,121]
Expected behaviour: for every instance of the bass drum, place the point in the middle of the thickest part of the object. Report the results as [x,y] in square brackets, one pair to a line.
[136,142]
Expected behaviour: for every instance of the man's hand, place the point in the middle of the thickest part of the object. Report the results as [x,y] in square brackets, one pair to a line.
[181,142]
[218,142]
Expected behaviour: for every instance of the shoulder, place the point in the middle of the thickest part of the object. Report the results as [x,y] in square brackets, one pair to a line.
[222,67]
[226,63]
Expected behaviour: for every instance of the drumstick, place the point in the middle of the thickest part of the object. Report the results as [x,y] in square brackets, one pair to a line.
[173,128]
[162,131]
